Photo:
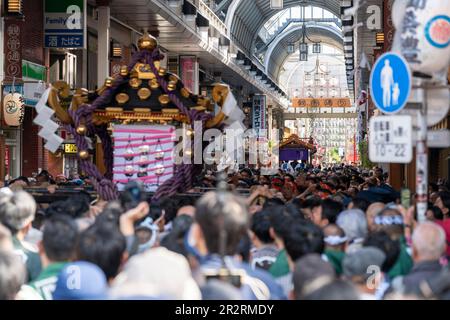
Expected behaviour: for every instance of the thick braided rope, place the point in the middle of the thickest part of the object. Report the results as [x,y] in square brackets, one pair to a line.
[184,173]
[103,184]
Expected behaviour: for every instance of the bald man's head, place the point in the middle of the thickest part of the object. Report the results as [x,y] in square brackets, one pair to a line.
[429,242]
[372,211]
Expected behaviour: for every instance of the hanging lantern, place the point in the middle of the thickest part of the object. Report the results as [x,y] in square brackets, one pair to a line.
[13,109]
[129,171]
[424,34]
[143,161]
[159,153]
[159,170]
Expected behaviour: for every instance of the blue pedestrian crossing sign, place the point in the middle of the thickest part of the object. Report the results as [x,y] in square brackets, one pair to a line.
[390,83]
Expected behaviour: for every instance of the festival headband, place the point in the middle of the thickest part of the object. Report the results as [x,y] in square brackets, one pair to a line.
[335,240]
[389,220]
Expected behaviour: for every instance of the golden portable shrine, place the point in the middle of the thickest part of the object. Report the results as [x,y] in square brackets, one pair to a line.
[146,104]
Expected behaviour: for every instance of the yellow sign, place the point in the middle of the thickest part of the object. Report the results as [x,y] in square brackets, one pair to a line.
[321,103]
[70,148]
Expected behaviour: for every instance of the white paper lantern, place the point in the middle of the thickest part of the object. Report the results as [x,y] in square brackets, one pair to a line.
[13,109]
[425,35]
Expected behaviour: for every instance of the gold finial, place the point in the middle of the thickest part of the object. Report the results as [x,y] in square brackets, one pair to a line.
[147,42]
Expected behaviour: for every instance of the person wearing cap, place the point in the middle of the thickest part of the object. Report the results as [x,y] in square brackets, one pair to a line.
[363,269]
[17,211]
[81,280]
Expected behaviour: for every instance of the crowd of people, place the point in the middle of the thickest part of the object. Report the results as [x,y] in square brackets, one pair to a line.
[332,233]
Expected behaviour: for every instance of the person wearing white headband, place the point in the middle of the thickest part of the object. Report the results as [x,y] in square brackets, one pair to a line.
[335,245]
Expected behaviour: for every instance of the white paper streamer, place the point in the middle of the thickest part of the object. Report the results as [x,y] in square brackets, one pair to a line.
[49,127]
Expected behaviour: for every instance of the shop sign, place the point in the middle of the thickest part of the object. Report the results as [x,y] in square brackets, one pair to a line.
[65,24]
[260,115]
[70,148]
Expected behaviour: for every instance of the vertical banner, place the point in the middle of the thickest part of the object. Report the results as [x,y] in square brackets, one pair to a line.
[65,24]
[260,115]
[13,49]
[189,73]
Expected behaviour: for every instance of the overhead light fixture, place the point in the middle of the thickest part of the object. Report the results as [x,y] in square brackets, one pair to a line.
[379,38]
[14,7]
[316,48]
[291,47]
[303,56]
[303,47]
[116,51]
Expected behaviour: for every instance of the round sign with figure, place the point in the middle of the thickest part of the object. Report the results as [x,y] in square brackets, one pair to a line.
[390,83]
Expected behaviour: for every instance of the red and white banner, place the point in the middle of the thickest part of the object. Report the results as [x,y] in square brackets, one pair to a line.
[144,153]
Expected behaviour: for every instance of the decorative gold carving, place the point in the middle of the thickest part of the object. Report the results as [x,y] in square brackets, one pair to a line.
[164,99]
[122,98]
[153,84]
[135,83]
[185,93]
[142,110]
[144,93]
[123,71]
[147,42]
[172,86]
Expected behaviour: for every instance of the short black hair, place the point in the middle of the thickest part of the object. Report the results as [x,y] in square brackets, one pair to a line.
[60,238]
[273,202]
[331,209]
[170,206]
[437,213]
[445,197]
[302,237]
[104,245]
[260,225]
[360,203]
[174,241]
[312,202]
[280,219]
[390,247]
[244,247]
[78,205]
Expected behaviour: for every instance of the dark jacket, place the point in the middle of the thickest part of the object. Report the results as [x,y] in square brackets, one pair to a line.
[420,272]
